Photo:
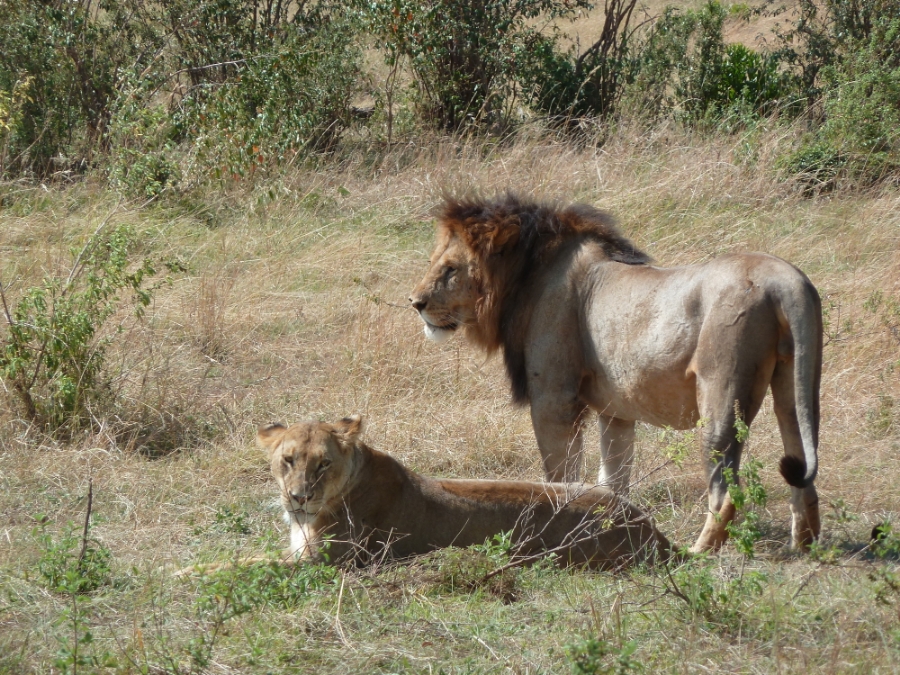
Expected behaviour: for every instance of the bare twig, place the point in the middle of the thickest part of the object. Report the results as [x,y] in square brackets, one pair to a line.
[9,319]
[87,520]
[674,590]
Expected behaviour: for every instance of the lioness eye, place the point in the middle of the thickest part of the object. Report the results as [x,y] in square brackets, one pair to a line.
[289,460]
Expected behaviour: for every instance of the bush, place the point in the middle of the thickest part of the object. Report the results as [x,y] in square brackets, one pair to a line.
[859,137]
[53,356]
[292,98]
[824,33]
[69,55]
[683,65]
[565,84]
[143,158]
[236,80]
[464,56]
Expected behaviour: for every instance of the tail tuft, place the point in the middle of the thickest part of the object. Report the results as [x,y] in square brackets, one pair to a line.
[793,469]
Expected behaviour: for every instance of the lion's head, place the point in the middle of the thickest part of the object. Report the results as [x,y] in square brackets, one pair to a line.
[446,298]
[312,462]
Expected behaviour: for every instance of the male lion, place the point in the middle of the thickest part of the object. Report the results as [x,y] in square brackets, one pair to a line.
[365,503]
[585,321]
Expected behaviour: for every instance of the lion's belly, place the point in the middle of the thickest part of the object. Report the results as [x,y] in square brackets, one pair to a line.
[639,358]
[658,398]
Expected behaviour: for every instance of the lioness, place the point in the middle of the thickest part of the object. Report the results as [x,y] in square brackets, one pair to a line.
[365,503]
[585,322]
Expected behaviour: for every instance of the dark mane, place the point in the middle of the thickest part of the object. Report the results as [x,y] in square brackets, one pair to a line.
[541,227]
[512,238]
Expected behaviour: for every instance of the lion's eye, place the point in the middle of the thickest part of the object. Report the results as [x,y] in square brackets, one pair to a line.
[288,459]
[450,272]
[324,465]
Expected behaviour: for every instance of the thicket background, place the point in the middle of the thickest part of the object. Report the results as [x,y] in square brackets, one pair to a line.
[211,215]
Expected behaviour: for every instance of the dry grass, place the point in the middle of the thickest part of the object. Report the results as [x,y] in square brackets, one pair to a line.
[293,308]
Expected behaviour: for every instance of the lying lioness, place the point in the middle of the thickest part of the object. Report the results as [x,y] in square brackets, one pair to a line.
[345,500]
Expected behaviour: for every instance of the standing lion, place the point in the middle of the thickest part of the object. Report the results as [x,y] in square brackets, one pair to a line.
[586,322]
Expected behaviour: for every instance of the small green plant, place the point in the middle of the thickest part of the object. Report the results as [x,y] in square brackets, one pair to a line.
[484,566]
[233,592]
[882,418]
[885,541]
[595,656]
[747,499]
[679,446]
[229,519]
[75,565]
[717,599]
[53,356]
[71,564]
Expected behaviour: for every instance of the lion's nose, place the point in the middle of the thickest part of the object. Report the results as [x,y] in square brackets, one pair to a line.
[418,305]
[299,497]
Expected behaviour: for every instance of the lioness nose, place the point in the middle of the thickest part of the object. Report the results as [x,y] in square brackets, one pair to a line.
[418,305]
[298,497]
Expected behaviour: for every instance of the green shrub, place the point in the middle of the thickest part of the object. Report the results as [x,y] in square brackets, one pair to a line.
[464,55]
[822,34]
[69,54]
[598,657]
[143,159]
[748,498]
[70,564]
[233,592]
[292,97]
[859,135]
[53,356]
[565,84]
[238,82]
[683,66]
[717,599]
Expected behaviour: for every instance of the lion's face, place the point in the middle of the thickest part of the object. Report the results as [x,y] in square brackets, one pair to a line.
[312,462]
[447,295]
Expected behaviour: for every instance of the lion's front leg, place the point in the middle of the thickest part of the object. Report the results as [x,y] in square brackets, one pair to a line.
[304,542]
[616,453]
[557,427]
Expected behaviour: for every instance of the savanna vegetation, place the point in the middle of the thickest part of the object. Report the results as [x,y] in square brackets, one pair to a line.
[211,215]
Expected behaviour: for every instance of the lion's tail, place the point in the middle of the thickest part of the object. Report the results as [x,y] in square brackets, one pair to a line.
[800,311]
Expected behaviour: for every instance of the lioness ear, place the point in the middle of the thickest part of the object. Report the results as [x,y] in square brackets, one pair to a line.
[349,428]
[268,435]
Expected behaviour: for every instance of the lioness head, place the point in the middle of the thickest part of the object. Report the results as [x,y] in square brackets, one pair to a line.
[452,295]
[311,461]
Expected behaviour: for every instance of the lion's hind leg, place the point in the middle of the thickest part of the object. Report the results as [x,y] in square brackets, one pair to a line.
[720,408]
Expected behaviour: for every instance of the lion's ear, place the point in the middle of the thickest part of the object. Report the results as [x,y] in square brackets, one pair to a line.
[268,435]
[349,428]
[504,235]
